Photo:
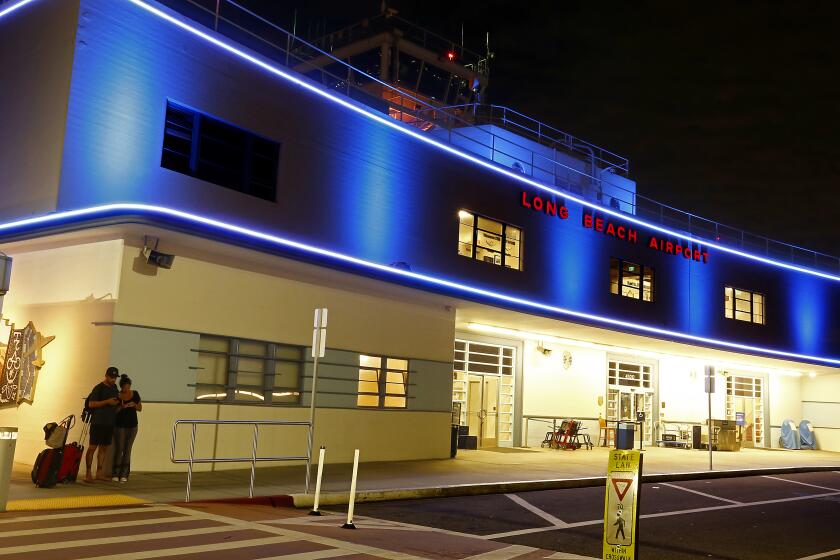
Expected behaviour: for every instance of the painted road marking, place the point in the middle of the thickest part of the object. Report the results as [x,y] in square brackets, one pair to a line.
[80,514]
[662,514]
[802,483]
[91,526]
[295,535]
[669,485]
[537,511]
[503,553]
[102,540]
[821,555]
[570,556]
[177,551]
[74,502]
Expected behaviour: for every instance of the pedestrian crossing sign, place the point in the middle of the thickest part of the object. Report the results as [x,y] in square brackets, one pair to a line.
[621,504]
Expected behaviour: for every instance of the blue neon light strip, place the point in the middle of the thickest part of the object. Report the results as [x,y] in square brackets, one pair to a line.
[225,46]
[428,140]
[13,7]
[280,242]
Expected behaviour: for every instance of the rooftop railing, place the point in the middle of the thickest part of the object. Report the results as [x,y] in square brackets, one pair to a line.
[458,126]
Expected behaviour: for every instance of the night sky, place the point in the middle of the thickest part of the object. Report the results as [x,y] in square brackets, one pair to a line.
[728,110]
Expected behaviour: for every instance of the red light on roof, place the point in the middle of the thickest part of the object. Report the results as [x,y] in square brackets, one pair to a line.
[450,56]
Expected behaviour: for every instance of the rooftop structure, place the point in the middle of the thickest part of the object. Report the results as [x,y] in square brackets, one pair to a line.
[355,62]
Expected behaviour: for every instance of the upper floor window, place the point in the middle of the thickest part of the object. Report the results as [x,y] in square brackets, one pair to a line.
[382,382]
[215,151]
[631,280]
[743,305]
[490,241]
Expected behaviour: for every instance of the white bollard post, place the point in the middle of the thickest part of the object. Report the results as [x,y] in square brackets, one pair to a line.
[349,524]
[318,482]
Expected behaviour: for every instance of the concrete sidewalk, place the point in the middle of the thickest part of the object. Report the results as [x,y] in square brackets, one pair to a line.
[470,472]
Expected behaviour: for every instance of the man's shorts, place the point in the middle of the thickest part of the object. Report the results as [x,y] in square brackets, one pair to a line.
[101,434]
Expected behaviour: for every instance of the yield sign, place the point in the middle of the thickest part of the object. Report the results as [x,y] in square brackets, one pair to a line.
[622,485]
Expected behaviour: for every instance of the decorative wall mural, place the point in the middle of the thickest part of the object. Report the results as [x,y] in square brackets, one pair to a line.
[22,360]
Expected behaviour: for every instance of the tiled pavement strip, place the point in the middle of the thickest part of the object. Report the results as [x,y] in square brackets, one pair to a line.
[219,531]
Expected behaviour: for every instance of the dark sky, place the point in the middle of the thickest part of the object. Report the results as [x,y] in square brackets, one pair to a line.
[730,110]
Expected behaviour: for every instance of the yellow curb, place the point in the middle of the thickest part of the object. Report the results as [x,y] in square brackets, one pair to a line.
[74,502]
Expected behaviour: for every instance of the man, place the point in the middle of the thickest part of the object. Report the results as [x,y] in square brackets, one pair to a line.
[103,400]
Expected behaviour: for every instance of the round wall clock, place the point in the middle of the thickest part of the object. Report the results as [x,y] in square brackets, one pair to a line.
[567,359]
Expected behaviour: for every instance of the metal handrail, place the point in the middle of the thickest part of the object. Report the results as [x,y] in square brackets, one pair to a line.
[412,110]
[541,132]
[253,459]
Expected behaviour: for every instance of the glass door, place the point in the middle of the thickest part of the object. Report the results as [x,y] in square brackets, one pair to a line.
[483,409]
[628,404]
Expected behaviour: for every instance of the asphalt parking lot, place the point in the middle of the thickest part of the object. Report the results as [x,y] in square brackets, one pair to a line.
[792,516]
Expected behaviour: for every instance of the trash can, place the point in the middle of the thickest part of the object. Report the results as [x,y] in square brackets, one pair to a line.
[453,443]
[624,435]
[8,439]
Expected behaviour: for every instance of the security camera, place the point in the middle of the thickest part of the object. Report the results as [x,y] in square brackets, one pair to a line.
[155,257]
[545,351]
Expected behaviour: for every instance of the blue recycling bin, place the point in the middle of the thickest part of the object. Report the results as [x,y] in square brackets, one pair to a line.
[625,435]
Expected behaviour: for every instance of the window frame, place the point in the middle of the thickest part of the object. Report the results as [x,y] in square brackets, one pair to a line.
[268,393]
[734,311]
[642,275]
[253,150]
[382,394]
[503,245]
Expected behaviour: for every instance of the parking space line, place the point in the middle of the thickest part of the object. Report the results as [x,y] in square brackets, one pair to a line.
[821,555]
[537,511]
[669,485]
[802,483]
[661,514]
[511,551]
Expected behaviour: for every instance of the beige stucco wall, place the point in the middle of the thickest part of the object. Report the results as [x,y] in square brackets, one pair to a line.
[380,435]
[197,295]
[63,291]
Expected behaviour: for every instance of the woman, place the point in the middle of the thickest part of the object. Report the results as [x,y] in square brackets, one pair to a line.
[126,430]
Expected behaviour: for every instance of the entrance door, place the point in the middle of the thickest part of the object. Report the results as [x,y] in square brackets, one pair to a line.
[744,395]
[483,409]
[630,403]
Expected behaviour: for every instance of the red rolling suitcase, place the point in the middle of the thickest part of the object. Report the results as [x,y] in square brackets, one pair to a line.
[59,463]
[71,457]
[45,471]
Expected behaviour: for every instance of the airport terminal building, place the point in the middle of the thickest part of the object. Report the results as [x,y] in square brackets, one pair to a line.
[479,266]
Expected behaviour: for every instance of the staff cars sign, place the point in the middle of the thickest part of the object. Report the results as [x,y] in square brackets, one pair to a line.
[621,505]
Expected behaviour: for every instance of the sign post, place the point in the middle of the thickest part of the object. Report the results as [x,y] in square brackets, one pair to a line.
[621,504]
[319,345]
[710,388]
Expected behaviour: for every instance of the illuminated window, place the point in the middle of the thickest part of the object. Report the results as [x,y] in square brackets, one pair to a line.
[743,305]
[489,241]
[631,280]
[382,387]
[211,150]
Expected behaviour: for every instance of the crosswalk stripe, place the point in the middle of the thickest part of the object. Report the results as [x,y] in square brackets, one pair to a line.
[315,555]
[90,527]
[193,549]
[299,535]
[102,540]
[80,514]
